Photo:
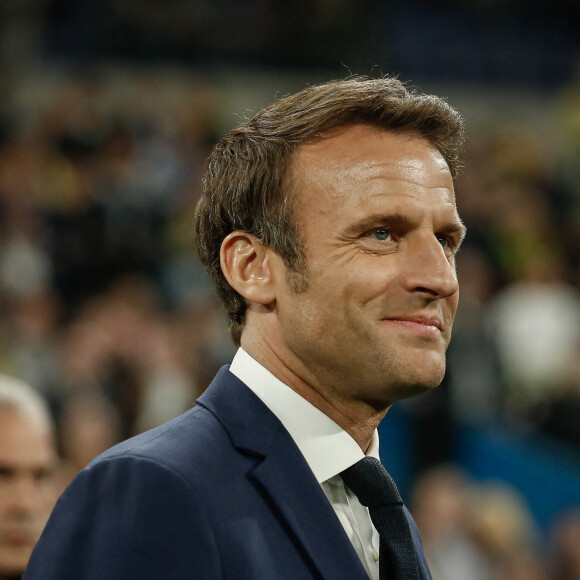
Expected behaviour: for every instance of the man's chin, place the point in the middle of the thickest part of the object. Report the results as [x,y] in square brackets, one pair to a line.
[414,389]
[414,384]
[382,399]
[13,560]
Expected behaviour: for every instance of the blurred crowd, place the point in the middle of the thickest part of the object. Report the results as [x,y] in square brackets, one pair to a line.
[105,309]
[516,347]
[484,531]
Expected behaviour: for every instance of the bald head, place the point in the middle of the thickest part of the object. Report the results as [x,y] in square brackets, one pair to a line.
[16,395]
[27,461]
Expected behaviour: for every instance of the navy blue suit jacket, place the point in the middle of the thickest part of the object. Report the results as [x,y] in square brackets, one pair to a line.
[221,492]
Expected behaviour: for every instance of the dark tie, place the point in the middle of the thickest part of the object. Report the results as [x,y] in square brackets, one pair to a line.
[375,489]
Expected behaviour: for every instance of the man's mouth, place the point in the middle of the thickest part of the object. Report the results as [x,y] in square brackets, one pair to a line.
[422,324]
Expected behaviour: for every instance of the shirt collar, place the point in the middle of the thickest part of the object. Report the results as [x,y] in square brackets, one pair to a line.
[327,448]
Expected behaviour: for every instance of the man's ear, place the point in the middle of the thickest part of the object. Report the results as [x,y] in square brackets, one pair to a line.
[248,268]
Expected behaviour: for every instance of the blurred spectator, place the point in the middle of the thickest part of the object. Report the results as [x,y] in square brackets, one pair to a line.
[535,324]
[472,360]
[88,425]
[440,503]
[102,297]
[121,346]
[27,465]
[475,530]
[566,546]
[502,527]
[31,327]
[558,414]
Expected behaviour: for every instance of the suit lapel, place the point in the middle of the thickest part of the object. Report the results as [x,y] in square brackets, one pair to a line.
[283,477]
[294,493]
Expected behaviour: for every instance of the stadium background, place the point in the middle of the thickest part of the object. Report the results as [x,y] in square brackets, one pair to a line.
[108,109]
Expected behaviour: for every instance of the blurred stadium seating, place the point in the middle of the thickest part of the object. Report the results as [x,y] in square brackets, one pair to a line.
[108,110]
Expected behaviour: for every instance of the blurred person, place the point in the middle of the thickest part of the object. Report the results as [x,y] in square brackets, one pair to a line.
[122,346]
[203,340]
[472,360]
[328,224]
[31,335]
[144,357]
[24,267]
[522,565]
[27,464]
[535,364]
[440,503]
[502,526]
[480,531]
[558,415]
[167,389]
[88,424]
[565,546]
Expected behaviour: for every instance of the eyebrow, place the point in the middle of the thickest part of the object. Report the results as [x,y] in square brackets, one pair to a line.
[376,219]
[456,228]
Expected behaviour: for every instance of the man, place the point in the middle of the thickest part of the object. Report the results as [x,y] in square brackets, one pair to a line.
[27,461]
[328,224]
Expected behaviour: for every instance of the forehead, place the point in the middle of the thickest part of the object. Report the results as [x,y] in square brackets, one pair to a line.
[24,439]
[364,164]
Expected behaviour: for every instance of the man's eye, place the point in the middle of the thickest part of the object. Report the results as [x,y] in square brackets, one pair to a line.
[443,241]
[381,235]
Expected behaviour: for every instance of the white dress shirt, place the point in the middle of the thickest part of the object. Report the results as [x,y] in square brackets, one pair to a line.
[327,448]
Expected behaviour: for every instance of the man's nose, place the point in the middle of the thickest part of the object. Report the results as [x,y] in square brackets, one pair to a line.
[24,494]
[429,269]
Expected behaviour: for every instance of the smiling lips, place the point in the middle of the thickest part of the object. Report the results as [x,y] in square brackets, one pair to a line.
[421,324]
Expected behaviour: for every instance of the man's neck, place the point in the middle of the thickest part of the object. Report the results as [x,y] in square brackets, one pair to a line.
[358,419]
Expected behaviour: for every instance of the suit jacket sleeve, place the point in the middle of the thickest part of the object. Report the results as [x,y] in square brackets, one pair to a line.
[113,523]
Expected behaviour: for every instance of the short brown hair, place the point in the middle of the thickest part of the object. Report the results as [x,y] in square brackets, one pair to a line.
[246,185]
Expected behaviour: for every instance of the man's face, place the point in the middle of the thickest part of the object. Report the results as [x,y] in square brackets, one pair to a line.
[27,458]
[376,212]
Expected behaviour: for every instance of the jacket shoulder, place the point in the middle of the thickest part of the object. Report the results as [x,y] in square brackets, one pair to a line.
[112,522]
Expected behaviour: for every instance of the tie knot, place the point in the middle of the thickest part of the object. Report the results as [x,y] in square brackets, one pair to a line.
[371,483]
